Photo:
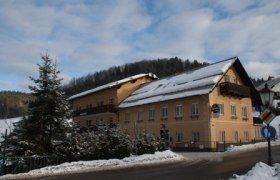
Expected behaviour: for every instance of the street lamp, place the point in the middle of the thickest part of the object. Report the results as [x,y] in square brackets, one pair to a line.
[266,95]
[267,98]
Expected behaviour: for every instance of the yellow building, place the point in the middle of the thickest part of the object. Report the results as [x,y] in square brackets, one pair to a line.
[97,108]
[204,108]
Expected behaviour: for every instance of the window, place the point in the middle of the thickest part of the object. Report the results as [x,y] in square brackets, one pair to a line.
[222,136]
[226,78]
[258,133]
[88,122]
[100,122]
[195,137]
[99,103]
[127,117]
[221,109]
[179,137]
[151,114]
[164,112]
[111,101]
[244,112]
[246,136]
[179,111]
[140,115]
[233,110]
[235,136]
[89,106]
[194,109]
[235,80]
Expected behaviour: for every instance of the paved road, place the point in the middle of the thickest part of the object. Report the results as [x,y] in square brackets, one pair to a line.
[238,163]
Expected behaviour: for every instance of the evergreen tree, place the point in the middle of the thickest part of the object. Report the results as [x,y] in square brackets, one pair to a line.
[46,122]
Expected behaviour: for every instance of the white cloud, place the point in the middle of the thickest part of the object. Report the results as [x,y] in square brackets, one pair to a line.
[91,36]
[262,69]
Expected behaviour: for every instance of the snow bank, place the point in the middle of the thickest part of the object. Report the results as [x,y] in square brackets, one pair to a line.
[260,171]
[251,146]
[84,166]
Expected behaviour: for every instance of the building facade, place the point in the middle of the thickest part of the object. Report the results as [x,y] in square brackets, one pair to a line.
[97,108]
[204,108]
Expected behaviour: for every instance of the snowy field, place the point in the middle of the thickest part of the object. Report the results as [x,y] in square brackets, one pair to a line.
[260,171]
[7,124]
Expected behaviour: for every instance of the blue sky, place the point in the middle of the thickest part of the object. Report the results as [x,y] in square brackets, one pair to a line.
[86,36]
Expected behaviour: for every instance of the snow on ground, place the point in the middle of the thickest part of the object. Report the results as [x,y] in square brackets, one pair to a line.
[260,171]
[98,165]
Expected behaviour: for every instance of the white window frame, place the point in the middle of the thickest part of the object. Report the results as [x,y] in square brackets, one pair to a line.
[233,110]
[164,112]
[140,115]
[151,114]
[100,122]
[195,109]
[221,109]
[222,136]
[235,136]
[244,110]
[195,137]
[179,137]
[127,117]
[179,111]
[88,123]
[246,136]
[258,132]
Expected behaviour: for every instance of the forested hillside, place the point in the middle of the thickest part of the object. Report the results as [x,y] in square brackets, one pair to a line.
[160,67]
[13,104]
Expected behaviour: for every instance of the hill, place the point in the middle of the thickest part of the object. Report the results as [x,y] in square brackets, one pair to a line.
[13,104]
[161,67]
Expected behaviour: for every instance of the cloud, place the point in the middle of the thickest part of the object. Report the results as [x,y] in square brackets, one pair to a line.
[88,36]
[262,70]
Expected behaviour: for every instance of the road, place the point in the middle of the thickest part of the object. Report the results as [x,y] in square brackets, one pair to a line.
[238,163]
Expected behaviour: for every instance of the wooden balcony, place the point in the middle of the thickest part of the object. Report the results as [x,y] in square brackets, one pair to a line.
[231,89]
[95,110]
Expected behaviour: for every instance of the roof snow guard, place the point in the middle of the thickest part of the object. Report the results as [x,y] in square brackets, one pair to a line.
[112,84]
[190,83]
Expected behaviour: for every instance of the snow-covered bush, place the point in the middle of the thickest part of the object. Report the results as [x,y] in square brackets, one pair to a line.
[104,144]
[145,143]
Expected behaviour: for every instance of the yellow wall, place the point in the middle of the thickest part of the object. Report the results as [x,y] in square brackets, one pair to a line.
[208,125]
[185,125]
[118,93]
[226,122]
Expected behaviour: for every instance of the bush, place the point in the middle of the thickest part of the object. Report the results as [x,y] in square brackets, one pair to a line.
[145,143]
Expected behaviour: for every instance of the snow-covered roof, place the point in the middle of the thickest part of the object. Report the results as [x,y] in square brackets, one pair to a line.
[112,84]
[190,83]
[274,84]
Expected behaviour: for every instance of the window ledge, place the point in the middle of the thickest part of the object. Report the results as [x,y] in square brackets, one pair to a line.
[194,116]
[179,117]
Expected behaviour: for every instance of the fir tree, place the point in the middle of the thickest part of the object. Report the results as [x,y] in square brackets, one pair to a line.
[46,122]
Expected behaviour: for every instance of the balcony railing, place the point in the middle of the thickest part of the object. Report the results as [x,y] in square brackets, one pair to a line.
[95,110]
[232,89]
